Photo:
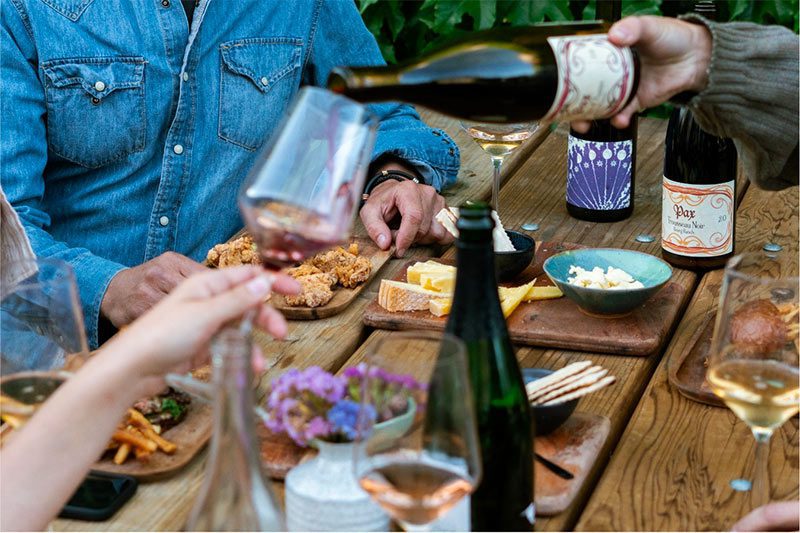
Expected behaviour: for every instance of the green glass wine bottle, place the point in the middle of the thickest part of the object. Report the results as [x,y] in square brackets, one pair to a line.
[502,501]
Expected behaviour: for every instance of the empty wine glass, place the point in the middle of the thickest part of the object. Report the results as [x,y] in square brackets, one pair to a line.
[753,363]
[421,462]
[499,140]
[42,338]
[303,192]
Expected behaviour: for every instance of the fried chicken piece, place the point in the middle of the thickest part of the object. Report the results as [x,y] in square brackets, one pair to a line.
[354,273]
[316,291]
[306,269]
[241,251]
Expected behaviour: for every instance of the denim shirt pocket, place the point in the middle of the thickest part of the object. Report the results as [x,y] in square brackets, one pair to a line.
[95,108]
[258,78]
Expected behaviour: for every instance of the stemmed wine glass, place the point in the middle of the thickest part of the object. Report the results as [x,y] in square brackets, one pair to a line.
[419,471]
[753,363]
[302,194]
[42,338]
[499,140]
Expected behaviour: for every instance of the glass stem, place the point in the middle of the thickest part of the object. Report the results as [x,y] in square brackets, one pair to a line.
[760,491]
[497,162]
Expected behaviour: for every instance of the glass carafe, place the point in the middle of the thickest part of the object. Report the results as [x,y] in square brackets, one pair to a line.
[236,494]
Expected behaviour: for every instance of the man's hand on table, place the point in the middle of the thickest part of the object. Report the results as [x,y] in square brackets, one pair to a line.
[414,203]
[674,57]
[776,516]
[135,290]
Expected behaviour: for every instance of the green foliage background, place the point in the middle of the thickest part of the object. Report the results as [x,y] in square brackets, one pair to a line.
[406,29]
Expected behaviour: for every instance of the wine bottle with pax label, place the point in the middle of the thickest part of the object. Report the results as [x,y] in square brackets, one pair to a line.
[503,501]
[552,72]
[698,209]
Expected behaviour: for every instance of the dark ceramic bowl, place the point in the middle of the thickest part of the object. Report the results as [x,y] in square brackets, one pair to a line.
[548,419]
[650,270]
[509,265]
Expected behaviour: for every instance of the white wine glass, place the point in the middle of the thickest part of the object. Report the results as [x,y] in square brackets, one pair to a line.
[499,140]
[42,337]
[417,471]
[753,363]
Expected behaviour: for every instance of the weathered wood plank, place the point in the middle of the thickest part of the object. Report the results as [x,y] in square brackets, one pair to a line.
[672,468]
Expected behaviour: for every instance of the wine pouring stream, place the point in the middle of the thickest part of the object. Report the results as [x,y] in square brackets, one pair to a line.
[302,194]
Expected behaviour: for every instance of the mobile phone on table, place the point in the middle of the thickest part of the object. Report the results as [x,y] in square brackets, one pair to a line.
[99,496]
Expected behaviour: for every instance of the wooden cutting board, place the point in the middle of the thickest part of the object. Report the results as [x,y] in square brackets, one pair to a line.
[687,372]
[574,447]
[342,297]
[559,323]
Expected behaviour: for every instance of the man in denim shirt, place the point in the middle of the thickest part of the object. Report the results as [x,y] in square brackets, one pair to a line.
[127,130]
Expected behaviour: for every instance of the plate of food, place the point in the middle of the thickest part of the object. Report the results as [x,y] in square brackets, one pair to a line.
[330,280]
[158,436]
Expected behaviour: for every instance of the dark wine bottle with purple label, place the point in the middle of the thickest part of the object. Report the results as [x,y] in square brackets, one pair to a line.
[601,172]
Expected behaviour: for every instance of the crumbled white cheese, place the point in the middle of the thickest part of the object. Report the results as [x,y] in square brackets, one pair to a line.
[614,279]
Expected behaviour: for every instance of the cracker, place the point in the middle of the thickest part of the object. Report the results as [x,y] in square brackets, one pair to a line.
[555,377]
[585,380]
[566,381]
[608,380]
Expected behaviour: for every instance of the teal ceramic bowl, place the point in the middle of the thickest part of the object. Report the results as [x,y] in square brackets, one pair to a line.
[650,270]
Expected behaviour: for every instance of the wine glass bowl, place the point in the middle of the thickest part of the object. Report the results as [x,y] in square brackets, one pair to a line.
[499,140]
[302,194]
[419,474]
[753,361]
[42,338]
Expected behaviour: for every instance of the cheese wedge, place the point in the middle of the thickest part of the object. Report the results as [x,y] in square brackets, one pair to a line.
[398,296]
[513,297]
[429,267]
[440,306]
[441,282]
[542,293]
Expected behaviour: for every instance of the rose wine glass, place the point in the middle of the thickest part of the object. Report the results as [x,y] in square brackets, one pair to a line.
[499,140]
[42,338]
[417,467]
[753,363]
[302,194]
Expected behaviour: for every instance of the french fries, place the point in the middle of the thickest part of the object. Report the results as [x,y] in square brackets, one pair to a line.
[136,434]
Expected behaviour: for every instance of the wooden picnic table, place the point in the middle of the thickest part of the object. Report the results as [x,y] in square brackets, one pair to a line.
[667,461]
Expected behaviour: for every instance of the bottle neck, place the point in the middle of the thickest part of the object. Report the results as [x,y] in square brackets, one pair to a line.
[234,432]
[475,293]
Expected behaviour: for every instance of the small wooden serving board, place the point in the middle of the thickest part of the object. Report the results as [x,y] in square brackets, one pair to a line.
[574,447]
[688,372]
[342,297]
[559,323]
[191,436]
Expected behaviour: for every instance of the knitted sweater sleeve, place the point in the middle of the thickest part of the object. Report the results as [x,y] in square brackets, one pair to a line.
[752,98]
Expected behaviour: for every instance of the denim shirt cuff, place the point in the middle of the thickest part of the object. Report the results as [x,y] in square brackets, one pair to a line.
[434,155]
[93,275]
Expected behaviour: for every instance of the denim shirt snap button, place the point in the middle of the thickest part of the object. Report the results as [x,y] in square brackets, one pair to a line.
[163,221]
[99,86]
[178,149]
[264,80]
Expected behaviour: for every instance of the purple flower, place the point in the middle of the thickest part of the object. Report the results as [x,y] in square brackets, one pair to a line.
[344,417]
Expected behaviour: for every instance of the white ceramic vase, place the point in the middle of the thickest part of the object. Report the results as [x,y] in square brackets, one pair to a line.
[323,495]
